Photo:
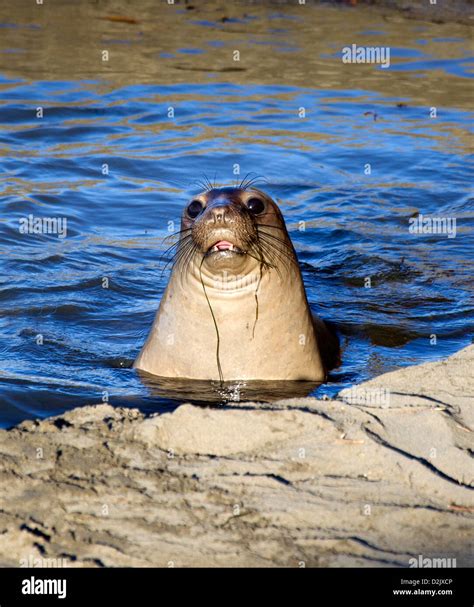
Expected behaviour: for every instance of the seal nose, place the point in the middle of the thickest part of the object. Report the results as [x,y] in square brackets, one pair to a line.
[219,213]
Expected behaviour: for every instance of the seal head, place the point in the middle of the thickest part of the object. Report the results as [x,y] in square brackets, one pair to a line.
[235,307]
[236,230]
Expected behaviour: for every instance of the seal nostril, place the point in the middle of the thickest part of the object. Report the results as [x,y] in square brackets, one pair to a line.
[219,214]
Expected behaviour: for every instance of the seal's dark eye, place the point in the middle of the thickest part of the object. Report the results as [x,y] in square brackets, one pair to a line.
[194,208]
[255,205]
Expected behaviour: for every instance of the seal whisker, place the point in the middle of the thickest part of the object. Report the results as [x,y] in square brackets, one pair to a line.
[185,253]
[189,256]
[260,258]
[204,184]
[276,250]
[267,255]
[183,246]
[173,259]
[268,259]
[281,237]
[241,185]
[191,250]
[247,183]
[277,254]
[208,182]
[166,239]
[175,244]
[267,225]
[201,185]
[275,238]
[180,242]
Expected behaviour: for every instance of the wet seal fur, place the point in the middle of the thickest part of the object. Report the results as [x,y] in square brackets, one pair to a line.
[235,307]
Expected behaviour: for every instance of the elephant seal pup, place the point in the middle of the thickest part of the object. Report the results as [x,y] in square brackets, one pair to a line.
[235,307]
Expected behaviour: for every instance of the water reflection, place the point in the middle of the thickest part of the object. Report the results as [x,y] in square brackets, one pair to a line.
[205,392]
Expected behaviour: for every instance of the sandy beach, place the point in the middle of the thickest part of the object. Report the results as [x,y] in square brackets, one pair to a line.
[382,476]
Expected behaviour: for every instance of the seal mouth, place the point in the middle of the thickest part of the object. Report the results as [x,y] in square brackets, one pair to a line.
[223,245]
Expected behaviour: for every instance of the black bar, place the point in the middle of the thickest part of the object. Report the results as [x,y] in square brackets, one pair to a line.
[224,587]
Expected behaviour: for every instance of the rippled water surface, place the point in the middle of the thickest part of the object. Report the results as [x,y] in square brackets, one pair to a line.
[110,157]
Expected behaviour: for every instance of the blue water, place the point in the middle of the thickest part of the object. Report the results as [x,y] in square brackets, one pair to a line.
[75,311]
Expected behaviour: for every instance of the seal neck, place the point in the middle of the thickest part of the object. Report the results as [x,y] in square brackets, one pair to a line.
[222,282]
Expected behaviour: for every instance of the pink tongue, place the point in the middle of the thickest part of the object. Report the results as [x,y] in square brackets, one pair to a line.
[223,245]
